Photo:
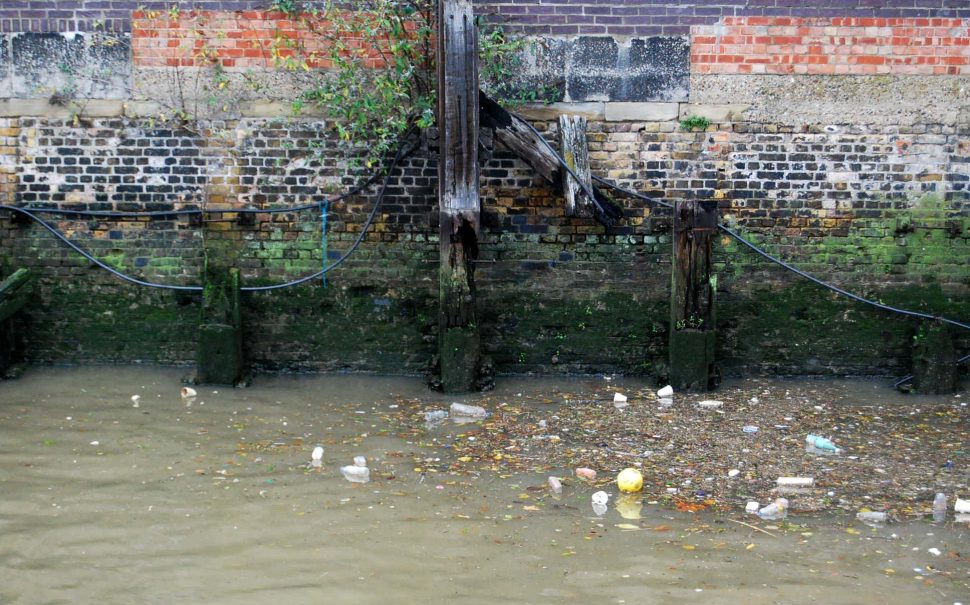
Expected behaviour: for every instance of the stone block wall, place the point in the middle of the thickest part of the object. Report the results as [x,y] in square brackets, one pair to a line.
[838,139]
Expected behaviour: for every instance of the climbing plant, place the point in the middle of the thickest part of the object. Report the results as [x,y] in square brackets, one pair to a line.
[367,64]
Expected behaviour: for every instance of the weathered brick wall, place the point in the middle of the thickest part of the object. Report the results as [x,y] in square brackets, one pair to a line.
[839,141]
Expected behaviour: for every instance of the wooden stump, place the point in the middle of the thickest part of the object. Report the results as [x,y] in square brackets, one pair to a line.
[459,341]
[934,359]
[693,287]
[14,294]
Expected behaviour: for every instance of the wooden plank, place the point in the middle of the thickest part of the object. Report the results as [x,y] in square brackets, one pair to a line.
[693,287]
[459,341]
[575,151]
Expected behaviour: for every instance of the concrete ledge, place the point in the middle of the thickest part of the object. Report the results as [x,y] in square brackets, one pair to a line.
[642,112]
[591,111]
[714,112]
[95,108]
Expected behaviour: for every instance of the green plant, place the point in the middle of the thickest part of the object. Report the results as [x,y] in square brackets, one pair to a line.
[692,123]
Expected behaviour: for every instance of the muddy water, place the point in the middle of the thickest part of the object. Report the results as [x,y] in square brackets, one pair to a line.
[212,501]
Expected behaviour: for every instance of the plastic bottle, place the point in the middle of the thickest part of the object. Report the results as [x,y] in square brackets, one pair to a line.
[872,517]
[774,511]
[939,508]
[821,444]
[356,472]
[435,416]
[555,485]
[460,410]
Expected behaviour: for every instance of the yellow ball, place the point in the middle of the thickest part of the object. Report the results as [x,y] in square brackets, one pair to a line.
[629,480]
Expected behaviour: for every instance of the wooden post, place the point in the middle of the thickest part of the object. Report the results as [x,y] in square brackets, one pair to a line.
[693,286]
[459,341]
[219,357]
[14,295]
[575,150]
[935,369]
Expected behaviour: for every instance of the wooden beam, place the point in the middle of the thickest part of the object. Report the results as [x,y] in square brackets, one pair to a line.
[14,292]
[693,287]
[575,150]
[459,342]
[514,133]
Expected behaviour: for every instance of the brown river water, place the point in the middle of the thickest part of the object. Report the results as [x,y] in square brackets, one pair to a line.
[213,501]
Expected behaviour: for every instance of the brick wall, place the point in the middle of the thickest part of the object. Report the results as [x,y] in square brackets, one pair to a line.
[876,204]
[857,46]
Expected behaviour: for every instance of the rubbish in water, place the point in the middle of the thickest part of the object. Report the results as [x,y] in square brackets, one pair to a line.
[317,453]
[961,506]
[629,480]
[820,445]
[460,410]
[666,401]
[934,551]
[599,509]
[749,428]
[752,507]
[733,472]
[667,391]
[962,518]
[542,424]
[187,392]
[775,511]
[586,473]
[600,498]
[95,443]
[939,508]
[435,416]
[796,481]
[555,485]
[754,400]
[356,472]
[619,398]
[710,403]
[629,506]
[872,518]
[135,398]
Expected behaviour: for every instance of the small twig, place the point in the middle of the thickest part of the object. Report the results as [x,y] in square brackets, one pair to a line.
[753,527]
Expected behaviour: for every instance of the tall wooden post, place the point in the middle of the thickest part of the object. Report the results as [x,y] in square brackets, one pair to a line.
[575,150]
[935,369]
[458,200]
[693,286]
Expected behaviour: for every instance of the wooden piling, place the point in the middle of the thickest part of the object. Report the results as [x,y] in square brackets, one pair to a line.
[693,287]
[575,150]
[14,295]
[219,356]
[935,369]
[459,342]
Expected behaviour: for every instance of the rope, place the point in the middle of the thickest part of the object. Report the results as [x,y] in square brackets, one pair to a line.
[196,211]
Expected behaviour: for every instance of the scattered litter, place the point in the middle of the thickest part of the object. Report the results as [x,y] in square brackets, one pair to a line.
[666,401]
[619,398]
[664,393]
[555,485]
[749,428]
[795,482]
[934,551]
[586,473]
[710,403]
[775,511]
[435,416]
[961,506]
[872,518]
[600,498]
[317,454]
[187,392]
[599,509]
[820,445]
[357,472]
[939,508]
[752,507]
[95,443]
[629,480]
[460,410]
[734,472]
